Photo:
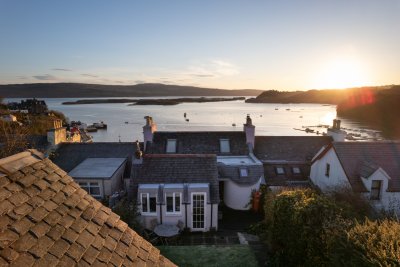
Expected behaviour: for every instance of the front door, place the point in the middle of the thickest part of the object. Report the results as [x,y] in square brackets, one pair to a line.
[198,211]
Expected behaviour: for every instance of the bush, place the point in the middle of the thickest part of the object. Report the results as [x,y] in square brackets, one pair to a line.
[372,243]
[303,227]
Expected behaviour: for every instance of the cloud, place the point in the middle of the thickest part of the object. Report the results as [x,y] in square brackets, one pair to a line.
[213,69]
[22,77]
[45,77]
[61,69]
[89,75]
[203,75]
[140,81]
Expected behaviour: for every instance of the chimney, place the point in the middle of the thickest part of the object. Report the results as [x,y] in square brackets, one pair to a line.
[137,161]
[250,130]
[58,134]
[148,130]
[335,132]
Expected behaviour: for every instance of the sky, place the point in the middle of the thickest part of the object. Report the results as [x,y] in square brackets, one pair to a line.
[282,45]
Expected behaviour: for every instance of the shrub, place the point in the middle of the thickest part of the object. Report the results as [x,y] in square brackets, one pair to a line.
[303,227]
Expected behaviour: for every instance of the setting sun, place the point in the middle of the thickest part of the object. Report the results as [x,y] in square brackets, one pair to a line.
[342,73]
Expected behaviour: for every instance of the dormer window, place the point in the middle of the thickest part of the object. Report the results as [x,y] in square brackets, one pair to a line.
[280,170]
[376,189]
[171,146]
[224,146]
[244,172]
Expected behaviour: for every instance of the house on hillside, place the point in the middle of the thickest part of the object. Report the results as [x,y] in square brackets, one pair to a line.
[287,159]
[48,220]
[239,171]
[178,188]
[369,168]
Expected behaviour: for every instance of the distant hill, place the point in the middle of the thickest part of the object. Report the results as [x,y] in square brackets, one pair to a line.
[378,108]
[328,96]
[64,90]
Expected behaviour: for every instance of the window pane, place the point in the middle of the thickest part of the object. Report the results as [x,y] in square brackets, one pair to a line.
[153,204]
[280,170]
[224,145]
[243,172]
[328,169]
[177,202]
[95,191]
[144,203]
[296,170]
[376,189]
[170,201]
[171,146]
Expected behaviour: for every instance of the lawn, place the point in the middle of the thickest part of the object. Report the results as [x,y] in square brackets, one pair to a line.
[234,255]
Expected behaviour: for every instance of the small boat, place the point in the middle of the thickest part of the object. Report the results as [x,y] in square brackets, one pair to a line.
[234,124]
[276,108]
[301,117]
[126,122]
[187,119]
[288,109]
[184,114]
[100,125]
[91,128]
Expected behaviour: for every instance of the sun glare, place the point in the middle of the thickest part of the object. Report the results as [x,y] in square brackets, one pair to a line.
[341,73]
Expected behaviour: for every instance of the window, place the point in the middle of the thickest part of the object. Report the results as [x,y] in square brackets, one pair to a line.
[148,203]
[171,146]
[376,189]
[296,170]
[92,188]
[224,146]
[327,169]
[173,201]
[244,172]
[280,170]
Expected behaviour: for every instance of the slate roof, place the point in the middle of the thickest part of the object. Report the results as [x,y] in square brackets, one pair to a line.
[289,148]
[199,142]
[180,168]
[363,158]
[48,220]
[69,155]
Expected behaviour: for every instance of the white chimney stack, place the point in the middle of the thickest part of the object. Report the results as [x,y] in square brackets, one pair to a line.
[336,133]
[148,130]
[250,131]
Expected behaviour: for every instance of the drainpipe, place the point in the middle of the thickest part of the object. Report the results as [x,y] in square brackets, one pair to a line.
[186,215]
[160,205]
[211,216]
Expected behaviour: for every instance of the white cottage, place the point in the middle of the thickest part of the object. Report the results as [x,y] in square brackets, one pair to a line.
[178,189]
[370,168]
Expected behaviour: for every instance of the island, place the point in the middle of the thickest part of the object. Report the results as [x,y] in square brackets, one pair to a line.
[159,101]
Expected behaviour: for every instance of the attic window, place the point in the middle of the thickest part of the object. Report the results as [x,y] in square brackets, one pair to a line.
[327,169]
[224,146]
[244,172]
[296,170]
[171,146]
[280,170]
[376,189]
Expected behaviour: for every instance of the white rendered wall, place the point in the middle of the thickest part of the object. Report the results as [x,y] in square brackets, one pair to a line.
[389,201]
[337,177]
[238,196]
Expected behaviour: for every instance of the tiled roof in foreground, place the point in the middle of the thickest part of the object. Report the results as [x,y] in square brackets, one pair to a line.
[48,220]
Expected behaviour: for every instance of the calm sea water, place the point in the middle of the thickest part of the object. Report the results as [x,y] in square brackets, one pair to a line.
[269,119]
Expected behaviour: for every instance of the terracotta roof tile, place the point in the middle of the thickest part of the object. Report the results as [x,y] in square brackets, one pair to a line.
[48,220]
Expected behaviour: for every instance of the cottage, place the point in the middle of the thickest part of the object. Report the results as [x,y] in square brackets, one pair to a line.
[369,168]
[100,177]
[239,171]
[287,159]
[106,164]
[178,188]
[48,220]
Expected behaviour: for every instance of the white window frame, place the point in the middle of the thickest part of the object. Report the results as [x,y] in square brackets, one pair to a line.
[148,196]
[174,204]
[244,172]
[280,172]
[87,185]
[171,146]
[379,190]
[204,211]
[224,146]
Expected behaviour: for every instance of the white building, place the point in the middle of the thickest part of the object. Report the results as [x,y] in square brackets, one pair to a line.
[369,168]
